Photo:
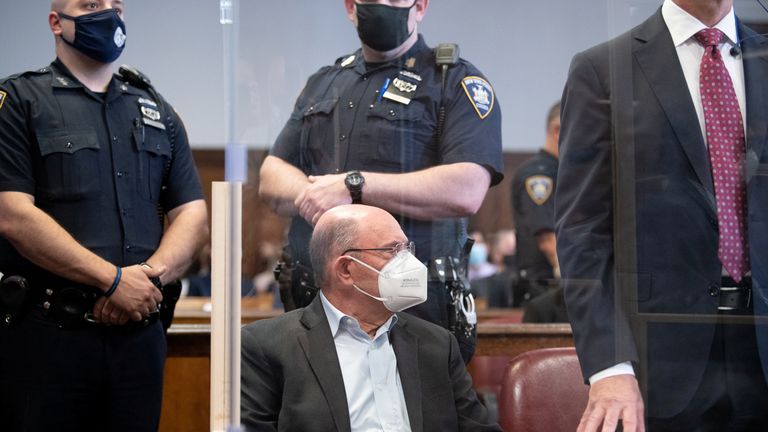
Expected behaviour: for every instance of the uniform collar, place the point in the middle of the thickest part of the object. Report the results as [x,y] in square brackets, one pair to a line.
[63,78]
[547,154]
[417,55]
[683,26]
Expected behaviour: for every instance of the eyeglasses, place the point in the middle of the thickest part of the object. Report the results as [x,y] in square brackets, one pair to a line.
[392,250]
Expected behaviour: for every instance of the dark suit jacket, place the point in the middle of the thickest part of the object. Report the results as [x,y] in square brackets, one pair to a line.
[676,267]
[547,308]
[291,379]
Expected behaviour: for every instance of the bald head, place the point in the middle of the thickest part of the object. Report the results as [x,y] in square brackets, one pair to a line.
[348,227]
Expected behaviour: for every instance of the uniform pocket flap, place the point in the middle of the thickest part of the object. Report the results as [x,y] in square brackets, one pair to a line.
[70,142]
[152,141]
[322,107]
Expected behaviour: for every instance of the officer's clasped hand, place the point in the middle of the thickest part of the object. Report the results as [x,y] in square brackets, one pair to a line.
[134,299]
[320,195]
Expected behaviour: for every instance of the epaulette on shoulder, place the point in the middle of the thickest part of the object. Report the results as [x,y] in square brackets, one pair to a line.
[345,60]
[41,71]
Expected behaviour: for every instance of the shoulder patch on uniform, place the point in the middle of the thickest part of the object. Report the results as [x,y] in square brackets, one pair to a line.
[539,188]
[480,94]
[2,98]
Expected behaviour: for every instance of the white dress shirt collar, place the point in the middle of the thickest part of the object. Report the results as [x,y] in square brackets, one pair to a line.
[682,25]
[335,317]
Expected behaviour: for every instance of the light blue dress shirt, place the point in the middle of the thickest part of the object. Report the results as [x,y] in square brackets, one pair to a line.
[369,369]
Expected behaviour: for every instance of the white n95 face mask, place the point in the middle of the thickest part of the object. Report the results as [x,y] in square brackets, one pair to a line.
[402,282]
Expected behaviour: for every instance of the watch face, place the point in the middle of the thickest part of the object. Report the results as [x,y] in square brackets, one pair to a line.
[354,180]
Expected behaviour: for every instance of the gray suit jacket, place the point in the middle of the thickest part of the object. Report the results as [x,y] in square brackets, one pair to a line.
[637,79]
[291,379]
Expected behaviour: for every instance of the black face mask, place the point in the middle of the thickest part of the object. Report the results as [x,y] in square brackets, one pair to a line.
[99,35]
[383,27]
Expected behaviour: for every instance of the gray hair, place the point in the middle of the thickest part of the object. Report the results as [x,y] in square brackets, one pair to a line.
[328,242]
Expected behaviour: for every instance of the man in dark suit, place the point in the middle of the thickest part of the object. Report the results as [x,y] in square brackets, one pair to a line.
[663,249]
[347,362]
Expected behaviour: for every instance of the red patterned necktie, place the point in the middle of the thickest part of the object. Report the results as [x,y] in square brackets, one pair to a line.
[725,137]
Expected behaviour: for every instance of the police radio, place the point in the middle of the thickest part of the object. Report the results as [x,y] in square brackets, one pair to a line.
[134,77]
[446,55]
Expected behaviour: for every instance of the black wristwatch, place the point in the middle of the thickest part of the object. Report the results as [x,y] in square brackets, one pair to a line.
[354,183]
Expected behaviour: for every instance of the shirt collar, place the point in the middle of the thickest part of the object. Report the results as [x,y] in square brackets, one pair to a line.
[682,25]
[62,77]
[418,52]
[547,154]
[336,316]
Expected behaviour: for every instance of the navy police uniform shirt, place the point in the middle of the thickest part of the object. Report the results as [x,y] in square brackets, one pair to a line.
[534,212]
[347,119]
[94,162]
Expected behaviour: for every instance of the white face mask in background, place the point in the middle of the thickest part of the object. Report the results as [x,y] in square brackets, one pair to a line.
[402,282]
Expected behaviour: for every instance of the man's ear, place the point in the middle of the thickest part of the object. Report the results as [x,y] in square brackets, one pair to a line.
[341,269]
[421,9]
[349,6]
[54,22]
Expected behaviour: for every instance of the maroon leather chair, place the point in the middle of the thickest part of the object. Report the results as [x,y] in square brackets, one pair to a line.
[543,390]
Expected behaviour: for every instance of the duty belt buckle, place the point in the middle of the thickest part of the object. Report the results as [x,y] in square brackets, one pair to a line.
[69,306]
[727,291]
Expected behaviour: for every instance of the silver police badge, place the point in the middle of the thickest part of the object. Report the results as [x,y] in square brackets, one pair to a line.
[150,113]
[539,188]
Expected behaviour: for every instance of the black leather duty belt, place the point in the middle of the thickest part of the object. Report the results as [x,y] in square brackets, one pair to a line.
[735,297]
[72,307]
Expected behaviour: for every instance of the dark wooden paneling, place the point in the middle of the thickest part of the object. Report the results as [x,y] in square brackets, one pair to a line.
[260,224]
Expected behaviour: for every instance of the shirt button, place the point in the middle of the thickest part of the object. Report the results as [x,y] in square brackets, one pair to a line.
[714,290]
[119,173]
[128,247]
[342,137]
[392,113]
[351,104]
[69,145]
[114,138]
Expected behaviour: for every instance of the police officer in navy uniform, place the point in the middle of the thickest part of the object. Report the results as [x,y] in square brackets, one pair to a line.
[90,166]
[369,129]
[533,209]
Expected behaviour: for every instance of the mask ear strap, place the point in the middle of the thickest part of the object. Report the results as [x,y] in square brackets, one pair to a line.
[65,16]
[369,295]
[362,263]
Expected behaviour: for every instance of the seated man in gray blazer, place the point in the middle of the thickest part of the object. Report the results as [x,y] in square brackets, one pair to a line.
[349,361]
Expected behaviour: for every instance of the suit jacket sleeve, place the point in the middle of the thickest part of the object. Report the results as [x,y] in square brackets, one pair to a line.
[584,216]
[260,389]
[472,415]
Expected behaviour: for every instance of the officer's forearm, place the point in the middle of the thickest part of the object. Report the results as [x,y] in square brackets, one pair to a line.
[280,183]
[186,233]
[38,238]
[444,191]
